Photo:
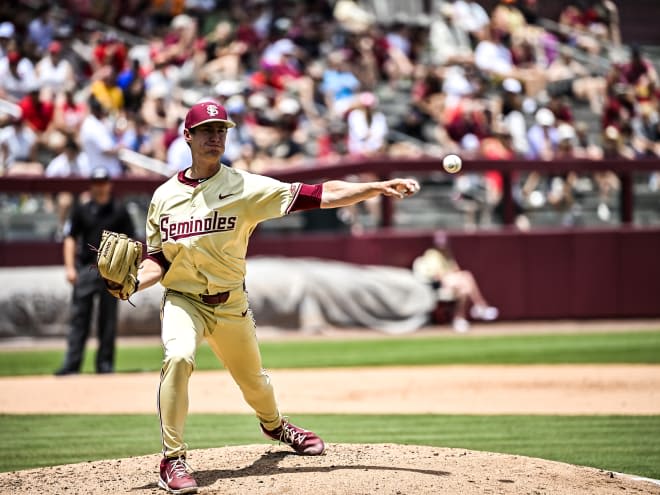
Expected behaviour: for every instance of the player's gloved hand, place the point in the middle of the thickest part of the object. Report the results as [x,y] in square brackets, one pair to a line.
[118,259]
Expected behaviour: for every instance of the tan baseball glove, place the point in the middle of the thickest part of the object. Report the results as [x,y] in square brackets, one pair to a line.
[118,259]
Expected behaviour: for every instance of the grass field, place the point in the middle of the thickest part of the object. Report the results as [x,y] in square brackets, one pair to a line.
[641,347]
[615,443]
[618,443]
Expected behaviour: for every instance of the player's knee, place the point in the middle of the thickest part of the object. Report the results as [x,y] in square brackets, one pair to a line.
[178,363]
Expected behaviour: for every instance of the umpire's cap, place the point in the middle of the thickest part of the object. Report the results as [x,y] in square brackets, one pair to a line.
[99,174]
[206,111]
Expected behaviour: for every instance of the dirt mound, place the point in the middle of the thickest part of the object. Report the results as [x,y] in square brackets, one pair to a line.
[345,469]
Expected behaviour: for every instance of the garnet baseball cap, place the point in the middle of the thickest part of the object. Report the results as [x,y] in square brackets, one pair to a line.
[206,111]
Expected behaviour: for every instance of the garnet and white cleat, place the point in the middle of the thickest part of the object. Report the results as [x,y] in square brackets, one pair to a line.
[174,476]
[302,441]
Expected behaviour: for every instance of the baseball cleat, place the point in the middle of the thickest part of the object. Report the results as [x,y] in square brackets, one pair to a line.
[174,476]
[302,441]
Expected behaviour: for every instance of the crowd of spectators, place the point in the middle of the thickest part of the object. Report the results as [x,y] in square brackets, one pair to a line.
[306,82]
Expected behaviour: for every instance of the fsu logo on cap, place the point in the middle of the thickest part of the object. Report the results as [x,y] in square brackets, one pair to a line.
[212,110]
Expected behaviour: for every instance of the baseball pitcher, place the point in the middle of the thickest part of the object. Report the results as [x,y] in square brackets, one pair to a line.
[198,227]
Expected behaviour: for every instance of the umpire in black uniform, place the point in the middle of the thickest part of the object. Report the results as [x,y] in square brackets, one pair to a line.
[88,219]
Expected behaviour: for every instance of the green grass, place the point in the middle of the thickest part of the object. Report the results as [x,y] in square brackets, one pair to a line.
[618,443]
[624,347]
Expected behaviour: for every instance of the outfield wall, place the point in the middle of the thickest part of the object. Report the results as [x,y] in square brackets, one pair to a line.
[540,274]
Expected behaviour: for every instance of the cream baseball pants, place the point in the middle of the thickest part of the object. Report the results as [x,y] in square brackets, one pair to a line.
[230,331]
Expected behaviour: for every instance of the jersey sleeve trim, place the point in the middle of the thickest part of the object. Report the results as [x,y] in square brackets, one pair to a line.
[305,197]
[159,258]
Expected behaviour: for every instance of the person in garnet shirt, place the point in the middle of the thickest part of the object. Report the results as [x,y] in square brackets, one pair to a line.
[38,114]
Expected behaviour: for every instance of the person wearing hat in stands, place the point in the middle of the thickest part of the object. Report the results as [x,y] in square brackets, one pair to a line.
[55,72]
[82,231]
[98,141]
[7,31]
[16,76]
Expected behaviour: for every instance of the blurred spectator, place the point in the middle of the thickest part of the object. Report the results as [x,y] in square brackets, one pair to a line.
[561,108]
[133,86]
[105,90]
[98,142]
[18,149]
[601,19]
[512,116]
[466,116]
[471,17]
[339,84]
[450,43]
[7,42]
[646,129]
[69,114]
[41,28]
[567,77]
[507,18]
[439,267]
[332,145]
[492,55]
[398,64]
[179,156]
[542,136]
[38,114]
[55,73]
[240,135]
[367,127]
[180,47]
[584,143]
[108,50]
[138,137]
[226,53]
[640,73]
[17,75]
[70,163]
[156,109]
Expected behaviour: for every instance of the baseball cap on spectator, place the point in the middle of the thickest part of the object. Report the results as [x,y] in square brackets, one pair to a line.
[446,9]
[367,99]
[235,104]
[470,142]
[55,47]
[229,88]
[99,174]
[6,29]
[181,21]
[258,100]
[545,117]
[612,133]
[13,57]
[205,112]
[565,132]
[288,106]
[158,91]
[512,85]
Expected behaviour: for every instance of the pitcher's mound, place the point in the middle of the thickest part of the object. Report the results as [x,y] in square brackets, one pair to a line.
[346,469]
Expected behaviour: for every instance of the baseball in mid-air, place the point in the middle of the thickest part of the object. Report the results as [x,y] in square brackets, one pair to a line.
[452,163]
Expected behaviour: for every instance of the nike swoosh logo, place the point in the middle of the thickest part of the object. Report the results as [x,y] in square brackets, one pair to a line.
[225,196]
[244,313]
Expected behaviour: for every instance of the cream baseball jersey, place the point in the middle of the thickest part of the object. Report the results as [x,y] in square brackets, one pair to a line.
[201,229]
